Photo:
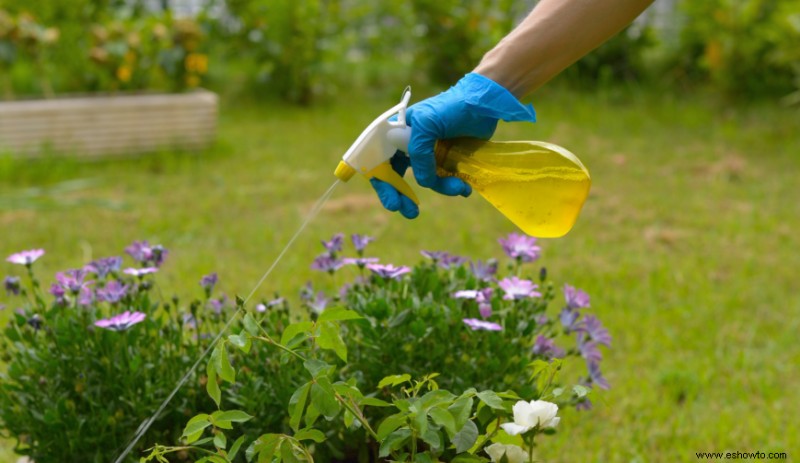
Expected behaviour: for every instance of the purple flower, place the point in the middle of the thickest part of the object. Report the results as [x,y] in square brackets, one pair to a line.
[520,247]
[388,271]
[208,282]
[335,244]
[73,280]
[218,304]
[145,254]
[542,319]
[435,256]
[327,263]
[189,321]
[576,299]
[584,405]
[86,297]
[596,331]
[102,267]
[589,350]
[569,319]
[140,272]
[516,288]
[25,257]
[59,292]
[140,251]
[476,324]
[596,376]
[112,292]
[361,241]
[318,303]
[12,285]
[449,261]
[122,321]
[483,297]
[272,303]
[547,347]
[361,262]
[484,271]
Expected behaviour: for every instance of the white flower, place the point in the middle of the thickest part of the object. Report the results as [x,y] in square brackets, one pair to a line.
[528,415]
[513,453]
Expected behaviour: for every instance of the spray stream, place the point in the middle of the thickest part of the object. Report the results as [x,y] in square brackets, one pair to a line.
[149,421]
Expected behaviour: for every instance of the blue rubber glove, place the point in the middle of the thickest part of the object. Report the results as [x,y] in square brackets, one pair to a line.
[471,108]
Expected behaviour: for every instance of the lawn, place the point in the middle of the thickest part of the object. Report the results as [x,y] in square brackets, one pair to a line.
[688,245]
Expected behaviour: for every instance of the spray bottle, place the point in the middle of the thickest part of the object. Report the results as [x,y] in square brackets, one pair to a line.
[539,186]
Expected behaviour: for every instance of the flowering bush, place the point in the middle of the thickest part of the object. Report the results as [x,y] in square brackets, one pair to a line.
[88,357]
[409,364]
[451,358]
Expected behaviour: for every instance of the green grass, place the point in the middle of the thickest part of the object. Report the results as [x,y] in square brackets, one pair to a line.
[688,245]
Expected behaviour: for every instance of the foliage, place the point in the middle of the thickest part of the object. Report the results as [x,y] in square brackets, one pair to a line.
[85,369]
[121,52]
[456,34]
[331,368]
[622,58]
[745,47]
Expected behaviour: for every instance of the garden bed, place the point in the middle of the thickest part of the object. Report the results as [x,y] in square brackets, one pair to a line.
[108,124]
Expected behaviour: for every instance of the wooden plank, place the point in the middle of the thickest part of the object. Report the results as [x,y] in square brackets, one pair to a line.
[109,124]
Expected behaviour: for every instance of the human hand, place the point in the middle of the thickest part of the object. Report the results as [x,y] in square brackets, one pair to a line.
[471,108]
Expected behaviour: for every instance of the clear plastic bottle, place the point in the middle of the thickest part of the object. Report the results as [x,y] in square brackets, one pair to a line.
[539,186]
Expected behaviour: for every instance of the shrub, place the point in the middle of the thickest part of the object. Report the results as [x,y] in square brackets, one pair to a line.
[370,372]
[744,47]
[85,369]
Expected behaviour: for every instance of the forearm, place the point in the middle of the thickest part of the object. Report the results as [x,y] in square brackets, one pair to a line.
[553,36]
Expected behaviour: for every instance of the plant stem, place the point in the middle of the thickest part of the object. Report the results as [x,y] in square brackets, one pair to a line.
[280,346]
[352,408]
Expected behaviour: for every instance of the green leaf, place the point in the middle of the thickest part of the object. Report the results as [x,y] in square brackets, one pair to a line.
[297,404]
[317,367]
[329,338]
[580,390]
[220,441]
[236,416]
[443,418]
[393,442]
[338,313]
[212,388]
[374,402]
[390,424]
[431,436]
[310,434]
[287,452]
[467,458]
[466,437]
[435,398]
[558,391]
[312,414]
[225,369]
[293,330]
[461,410]
[265,447]
[242,341]
[250,324]
[491,399]
[237,444]
[195,426]
[323,398]
[394,380]
[423,458]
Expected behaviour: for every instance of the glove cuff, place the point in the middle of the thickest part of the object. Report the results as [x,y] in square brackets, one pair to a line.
[490,99]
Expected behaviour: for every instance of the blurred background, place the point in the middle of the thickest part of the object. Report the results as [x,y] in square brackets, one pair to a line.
[688,120]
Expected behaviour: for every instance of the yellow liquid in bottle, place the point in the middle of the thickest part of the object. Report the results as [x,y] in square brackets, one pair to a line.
[539,186]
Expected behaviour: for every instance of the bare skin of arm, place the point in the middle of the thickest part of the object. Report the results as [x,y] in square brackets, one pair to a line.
[553,36]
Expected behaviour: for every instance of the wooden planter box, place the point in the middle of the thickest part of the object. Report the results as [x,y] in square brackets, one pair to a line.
[108,125]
